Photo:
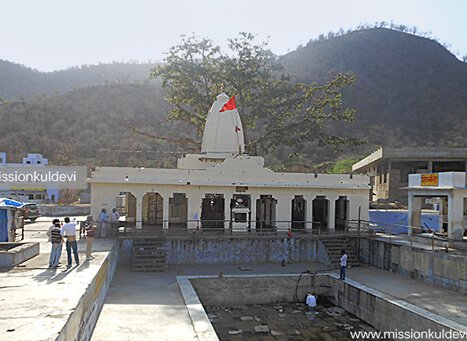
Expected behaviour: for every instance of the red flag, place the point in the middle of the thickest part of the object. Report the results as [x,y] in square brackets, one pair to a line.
[230,105]
[237,129]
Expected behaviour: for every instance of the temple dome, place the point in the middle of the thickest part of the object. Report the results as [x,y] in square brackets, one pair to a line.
[223,132]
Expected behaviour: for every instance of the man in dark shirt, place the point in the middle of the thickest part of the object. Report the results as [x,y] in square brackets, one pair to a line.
[56,238]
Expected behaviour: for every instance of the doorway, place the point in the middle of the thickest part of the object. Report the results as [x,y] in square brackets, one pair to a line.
[212,211]
[341,215]
[298,213]
[266,212]
[321,212]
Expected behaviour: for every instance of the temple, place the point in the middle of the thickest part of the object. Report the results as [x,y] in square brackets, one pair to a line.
[224,188]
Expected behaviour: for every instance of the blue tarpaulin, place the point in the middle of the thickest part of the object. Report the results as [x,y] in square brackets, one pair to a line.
[3,225]
[398,221]
[10,203]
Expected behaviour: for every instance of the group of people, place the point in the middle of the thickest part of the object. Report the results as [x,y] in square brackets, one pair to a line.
[66,232]
[104,220]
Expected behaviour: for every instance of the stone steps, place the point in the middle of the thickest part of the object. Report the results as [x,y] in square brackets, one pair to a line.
[149,255]
[334,247]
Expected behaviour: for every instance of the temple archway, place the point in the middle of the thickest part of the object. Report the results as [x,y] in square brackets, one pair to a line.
[298,213]
[212,211]
[152,209]
[266,212]
[321,212]
[341,215]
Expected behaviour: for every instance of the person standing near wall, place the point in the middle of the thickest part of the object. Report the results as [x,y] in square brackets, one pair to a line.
[55,237]
[90,233]
[103,221]
[114,220]
[343,264]
[69,232]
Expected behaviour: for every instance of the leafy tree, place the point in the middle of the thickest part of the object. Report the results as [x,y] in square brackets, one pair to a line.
[274,109]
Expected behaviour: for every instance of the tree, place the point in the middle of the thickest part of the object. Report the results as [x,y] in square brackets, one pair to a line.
[274,109]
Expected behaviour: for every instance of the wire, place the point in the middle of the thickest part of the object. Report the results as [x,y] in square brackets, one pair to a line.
[298,283]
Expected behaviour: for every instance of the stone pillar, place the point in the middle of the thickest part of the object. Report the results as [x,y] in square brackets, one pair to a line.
[430,166]
[455,216]
[332,213]
[227,199]
[415,212]
[253,199]
[309,212]
[194,210]
[165,211]
[284,212]
[139,210]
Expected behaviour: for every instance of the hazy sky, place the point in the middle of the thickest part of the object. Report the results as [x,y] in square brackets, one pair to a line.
[56,34]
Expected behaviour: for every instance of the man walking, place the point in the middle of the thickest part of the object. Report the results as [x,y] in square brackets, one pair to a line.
[343,264]
[69,232]
[55,237]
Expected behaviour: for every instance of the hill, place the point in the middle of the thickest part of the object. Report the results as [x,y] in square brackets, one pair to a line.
[90,125]
[410,91]
[18,81]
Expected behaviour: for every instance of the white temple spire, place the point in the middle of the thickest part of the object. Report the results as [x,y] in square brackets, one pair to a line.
[223,132]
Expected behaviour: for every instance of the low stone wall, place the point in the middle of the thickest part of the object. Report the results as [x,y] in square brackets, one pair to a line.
[64,210]
[384,312]
[444,269]
[223,250]
[82,321]
[247,289]
[12,254]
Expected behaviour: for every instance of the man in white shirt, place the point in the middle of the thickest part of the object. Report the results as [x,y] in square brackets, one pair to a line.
[343,264]
[69,232]
[114,221]
[103,223]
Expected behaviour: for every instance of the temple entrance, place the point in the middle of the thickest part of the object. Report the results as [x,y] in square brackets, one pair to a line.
[152,209]
[212,211]
[341,216]
[266,212]
[237,202]
[298,213]
[321,212]
[178,211]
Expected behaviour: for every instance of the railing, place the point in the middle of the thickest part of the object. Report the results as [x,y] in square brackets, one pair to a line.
[220,227]
[395,232]
[227,227]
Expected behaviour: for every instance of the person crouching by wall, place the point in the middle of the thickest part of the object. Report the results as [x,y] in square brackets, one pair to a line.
[69,232]
[56,239]
[90,234]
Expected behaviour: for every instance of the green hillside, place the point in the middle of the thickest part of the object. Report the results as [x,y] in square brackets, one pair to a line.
[410,91]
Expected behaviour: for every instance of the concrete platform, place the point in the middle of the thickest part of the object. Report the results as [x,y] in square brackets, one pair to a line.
[446,303]
[156,305]
[39,303]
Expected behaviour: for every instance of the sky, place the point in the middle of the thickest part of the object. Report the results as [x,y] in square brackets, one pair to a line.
[56,34]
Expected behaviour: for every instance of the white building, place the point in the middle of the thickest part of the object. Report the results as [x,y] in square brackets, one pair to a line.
[27,193]
[222,188]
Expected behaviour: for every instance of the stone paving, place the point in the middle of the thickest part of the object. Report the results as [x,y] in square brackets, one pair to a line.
[37,301]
